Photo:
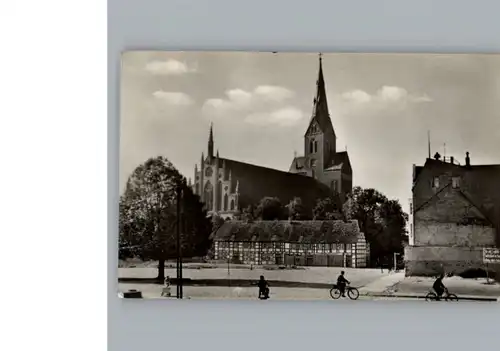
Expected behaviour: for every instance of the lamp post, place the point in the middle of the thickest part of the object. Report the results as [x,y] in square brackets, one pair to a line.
[395,262]
[178,233]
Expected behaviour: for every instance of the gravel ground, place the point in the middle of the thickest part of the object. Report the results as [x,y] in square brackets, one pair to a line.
[358,277]
[456,285]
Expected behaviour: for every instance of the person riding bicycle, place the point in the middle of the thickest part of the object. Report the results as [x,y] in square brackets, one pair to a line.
[341,283]
[263,288]
[439,287]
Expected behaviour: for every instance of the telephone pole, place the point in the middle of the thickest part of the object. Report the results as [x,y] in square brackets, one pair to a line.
[178,232]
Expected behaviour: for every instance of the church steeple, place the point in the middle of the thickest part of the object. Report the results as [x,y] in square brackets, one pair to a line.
[211,143]
[319,139]
[320,104]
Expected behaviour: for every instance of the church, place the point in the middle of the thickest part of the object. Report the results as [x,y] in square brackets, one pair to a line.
[228,186]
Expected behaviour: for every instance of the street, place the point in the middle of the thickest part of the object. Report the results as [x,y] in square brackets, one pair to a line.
[371,283]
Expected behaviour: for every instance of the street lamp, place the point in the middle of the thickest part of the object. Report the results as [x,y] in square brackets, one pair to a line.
[395,261]
[179,190]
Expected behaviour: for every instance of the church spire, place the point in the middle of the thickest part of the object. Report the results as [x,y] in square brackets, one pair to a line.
[320,112]
[211,142]
[320,103]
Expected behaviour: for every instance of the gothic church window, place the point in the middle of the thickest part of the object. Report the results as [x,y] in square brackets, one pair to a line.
[219,195]
[208,195]
[435,183]
[208,172]
[311,146]
[232,205]
[313,163]
[225,202]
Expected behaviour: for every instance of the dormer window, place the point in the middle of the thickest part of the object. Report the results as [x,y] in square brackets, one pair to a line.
[455,182]
[435,182]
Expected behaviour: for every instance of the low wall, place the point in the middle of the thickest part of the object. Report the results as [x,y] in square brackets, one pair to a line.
[433,260]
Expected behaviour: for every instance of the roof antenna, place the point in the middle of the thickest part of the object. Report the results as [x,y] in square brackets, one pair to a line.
[444,152]
[429,142]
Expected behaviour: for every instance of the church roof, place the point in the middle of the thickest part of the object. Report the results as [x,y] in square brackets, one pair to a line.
[320,104]
[256,182]
[290,231]
[339,160]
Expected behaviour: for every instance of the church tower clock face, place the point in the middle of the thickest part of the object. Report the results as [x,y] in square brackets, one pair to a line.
[208,172]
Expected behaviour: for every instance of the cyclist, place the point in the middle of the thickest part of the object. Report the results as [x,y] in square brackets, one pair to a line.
[263,288]
[439,287]
[341,283]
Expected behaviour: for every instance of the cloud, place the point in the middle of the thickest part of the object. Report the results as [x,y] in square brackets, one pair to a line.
[358,96]
[287,116]
[239,99]
[260,106]
[384,95]
[169,67]
[173,98]
[274,93]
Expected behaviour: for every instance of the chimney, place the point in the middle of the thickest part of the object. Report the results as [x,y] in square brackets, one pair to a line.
[452,159]
[437,156]
[467,159]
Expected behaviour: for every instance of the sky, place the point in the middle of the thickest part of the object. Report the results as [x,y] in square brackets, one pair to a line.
[381,105]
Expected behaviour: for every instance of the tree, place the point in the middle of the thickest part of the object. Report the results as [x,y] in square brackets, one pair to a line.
[148,215]
[394,219]
[327,209]
[248,214]
[217,222]
[381,220]
[270,208]
[296,210]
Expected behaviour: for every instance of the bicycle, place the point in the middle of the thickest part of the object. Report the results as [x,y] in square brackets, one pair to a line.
[432,296]
[353,293]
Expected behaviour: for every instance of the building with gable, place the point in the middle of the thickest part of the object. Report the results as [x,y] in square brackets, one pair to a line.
[455,214]
[292,243]
[228,186]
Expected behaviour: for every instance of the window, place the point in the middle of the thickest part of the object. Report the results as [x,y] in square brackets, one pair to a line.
[334,186]
[315,146]
[219,196]
[208,172]
[455,182]
[313,163]
[311,146]
[435,183]
[232,205]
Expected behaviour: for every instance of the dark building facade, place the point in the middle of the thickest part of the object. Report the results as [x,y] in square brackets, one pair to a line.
[228,186]
[455,214]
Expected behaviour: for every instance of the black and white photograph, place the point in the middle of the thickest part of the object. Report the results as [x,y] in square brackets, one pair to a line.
[309,176]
